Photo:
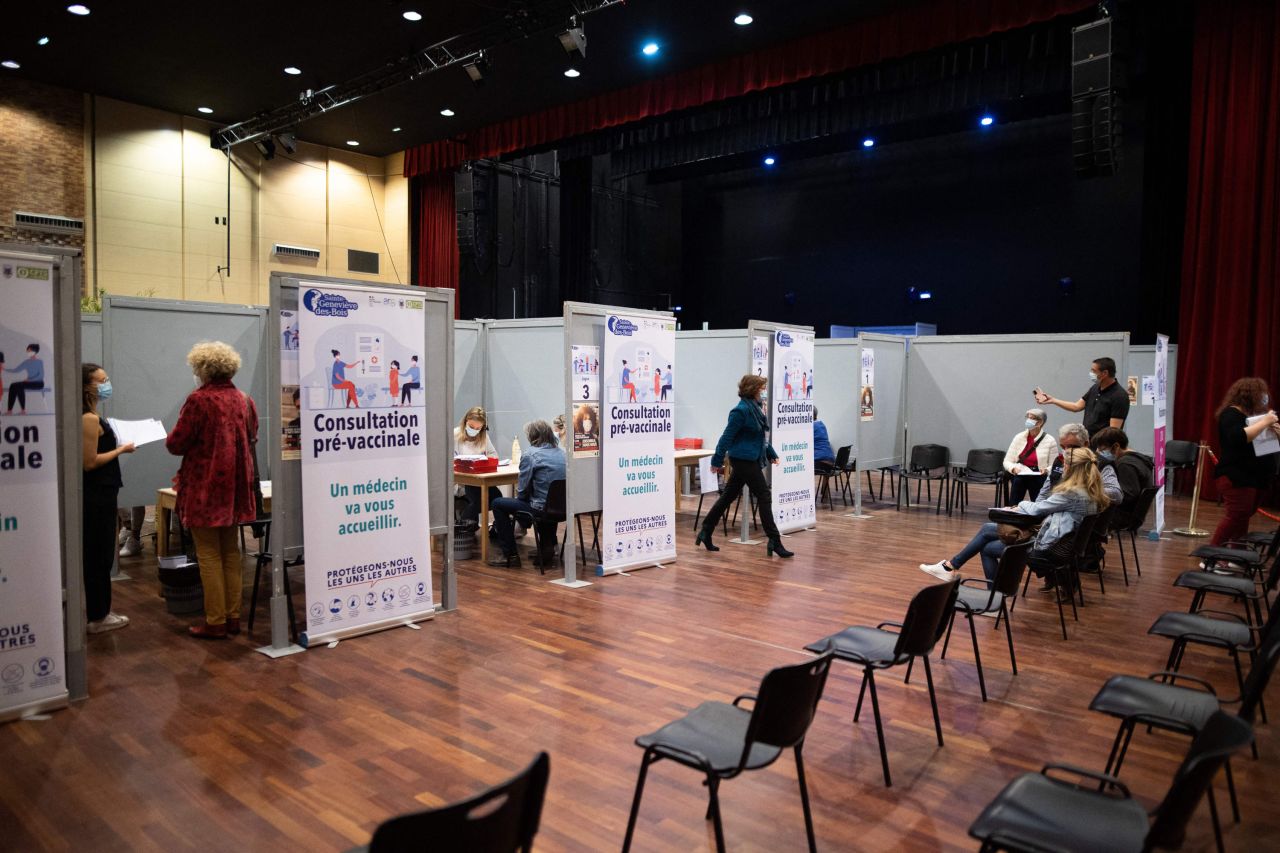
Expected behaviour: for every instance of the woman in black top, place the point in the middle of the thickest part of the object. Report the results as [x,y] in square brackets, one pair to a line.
[102,483]
[1242,475]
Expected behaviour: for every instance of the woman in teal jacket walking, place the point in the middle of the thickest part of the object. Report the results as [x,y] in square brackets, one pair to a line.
[745,442]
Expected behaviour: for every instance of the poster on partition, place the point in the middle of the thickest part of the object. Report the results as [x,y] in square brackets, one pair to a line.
[585,365]
[760,355]
[867,396]
[586,430]
[1148,390]
[364,460]
[290,407]
[638,442]
[1159,419]
[791,398]
[32,653]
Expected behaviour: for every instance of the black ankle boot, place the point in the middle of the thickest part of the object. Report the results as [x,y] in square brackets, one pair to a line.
[704,538]
[775,547]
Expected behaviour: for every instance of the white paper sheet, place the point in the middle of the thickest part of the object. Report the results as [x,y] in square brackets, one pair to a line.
[138,432]
[1266,443]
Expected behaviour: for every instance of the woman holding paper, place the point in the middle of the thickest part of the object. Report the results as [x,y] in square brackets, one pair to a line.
[1242,475]
[102,482]
[745,442]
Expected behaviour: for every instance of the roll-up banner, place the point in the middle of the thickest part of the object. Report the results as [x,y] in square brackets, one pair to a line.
[32,652]
[791,393]
[1159,417]
[638,479]
[364,459]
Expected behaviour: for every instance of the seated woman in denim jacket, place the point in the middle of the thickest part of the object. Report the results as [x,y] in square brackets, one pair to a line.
[1078,493]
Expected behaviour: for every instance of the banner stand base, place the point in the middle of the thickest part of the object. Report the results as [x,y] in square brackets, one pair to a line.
[1190,531]
[857,515]
[273,652]
[601,571]
[745,541]
[570,584]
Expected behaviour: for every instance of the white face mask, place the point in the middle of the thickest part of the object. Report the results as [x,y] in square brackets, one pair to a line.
[195,380]
[586,426]
[1093,377]
[472,432]
[1266,400]
[1031,423]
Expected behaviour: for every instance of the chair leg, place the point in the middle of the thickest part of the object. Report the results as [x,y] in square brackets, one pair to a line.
[1008,633]
[977,656]
[253,597]
[1124,750]
[1062,617]
[1231,792]
[933,698]
[910,663]
[1109,769]
[288,601]
[947,639]
[648,759]
[804,800]
[713,810]
[862,691]
[1133,540]
[1123,567]
[1213,815]
[875,708]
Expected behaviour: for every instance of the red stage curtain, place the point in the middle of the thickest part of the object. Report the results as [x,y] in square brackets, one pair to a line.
[894,34]
[1229,322]
[437,233]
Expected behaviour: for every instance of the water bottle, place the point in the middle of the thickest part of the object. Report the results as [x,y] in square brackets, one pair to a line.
[515,452]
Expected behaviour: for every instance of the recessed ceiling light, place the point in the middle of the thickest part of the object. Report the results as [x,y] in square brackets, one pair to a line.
[78,9]
[205,110]
[42,41]
[412,16]
[868,142]
[395,130]
[650,49]
[572,72]
[447,113]
[294,70]
[986,121]
[743,20]
[353,142]
[770,160]
[9,63]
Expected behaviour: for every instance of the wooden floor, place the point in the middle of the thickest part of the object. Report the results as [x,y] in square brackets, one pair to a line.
[186,744]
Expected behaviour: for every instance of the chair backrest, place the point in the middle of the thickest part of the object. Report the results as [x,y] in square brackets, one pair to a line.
[1012,563]
[786,703]
[1084,535]
[984,460]
[1180,453]
[555,504]
[926,619]
[1264,664]
[1137,514]
[926,457]
[842,456]
[502,819]
[1222,736]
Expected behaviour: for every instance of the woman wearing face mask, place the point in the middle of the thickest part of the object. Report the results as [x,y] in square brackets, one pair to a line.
[1078,493]
[1242,475]
[471,438]
[585,424]
[745,442]
[102,484]
[1028,457]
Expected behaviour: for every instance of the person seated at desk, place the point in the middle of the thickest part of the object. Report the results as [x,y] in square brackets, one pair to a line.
[987,541]
[540,466]
[1028,457]
[823,456]
[471,438]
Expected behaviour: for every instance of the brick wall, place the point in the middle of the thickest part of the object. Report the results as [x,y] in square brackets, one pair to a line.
[42,158]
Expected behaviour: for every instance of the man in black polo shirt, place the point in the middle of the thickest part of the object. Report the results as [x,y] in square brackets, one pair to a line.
[1105,404]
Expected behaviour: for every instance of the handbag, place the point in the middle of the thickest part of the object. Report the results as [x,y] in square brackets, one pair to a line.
[1013,527]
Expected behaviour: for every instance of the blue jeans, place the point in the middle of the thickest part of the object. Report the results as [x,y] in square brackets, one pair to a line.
[986,543]
[504,510]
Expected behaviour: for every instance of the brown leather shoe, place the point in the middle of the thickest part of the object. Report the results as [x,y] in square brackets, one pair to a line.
[208,632]
[233,627]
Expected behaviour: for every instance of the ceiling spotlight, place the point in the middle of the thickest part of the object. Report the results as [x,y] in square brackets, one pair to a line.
[574,39]
[650,49]
[770,160]
[986,121]
[868,142]
[266,147]
[289,142]
[479,68]
[353,142]
[42,41]
[78,9]
[395,130]
[9,63]
[292,69]
[412,16]
[743,20]
[447,113]
[572,72]
[205,110]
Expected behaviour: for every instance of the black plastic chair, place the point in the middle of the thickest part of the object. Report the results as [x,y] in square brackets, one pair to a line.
[545,523]
[723,740]
[1179,456]
[1066,572]
[1156,703]
[1250,558]
[982,597]
[1129,520]
[875,648]
[929,463]
[982,467]
[1094,559]
[1038,812]
[1221,581]
[502,819]
[828,471]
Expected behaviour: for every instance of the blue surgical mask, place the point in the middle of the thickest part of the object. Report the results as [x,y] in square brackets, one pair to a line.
[1107,455]
[764,396]
[104,390]
[1031,423]
[472,432]
[1093,377]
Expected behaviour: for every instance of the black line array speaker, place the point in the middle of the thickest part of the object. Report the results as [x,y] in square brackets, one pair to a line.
[1096,131]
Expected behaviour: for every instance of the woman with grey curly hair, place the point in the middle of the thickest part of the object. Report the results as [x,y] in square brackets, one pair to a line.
[215,434]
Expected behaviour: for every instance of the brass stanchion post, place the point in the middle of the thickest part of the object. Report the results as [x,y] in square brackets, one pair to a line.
[1191,529]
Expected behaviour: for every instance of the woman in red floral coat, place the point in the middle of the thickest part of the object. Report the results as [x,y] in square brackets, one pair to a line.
[214,436]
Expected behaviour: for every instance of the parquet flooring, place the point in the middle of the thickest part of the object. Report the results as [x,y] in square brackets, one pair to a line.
[187,745]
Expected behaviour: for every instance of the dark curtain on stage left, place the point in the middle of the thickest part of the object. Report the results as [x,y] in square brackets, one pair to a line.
[1230,313]
[435,235]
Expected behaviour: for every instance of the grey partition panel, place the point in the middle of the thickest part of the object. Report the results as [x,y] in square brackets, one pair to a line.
[468,366]
[708,364]
[524,376]
[1140,427]
[145,344]
[91,338]
[837,363]
[880,440]
[970,391]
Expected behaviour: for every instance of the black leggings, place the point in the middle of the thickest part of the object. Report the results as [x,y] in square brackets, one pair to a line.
[99,554]
[745,473]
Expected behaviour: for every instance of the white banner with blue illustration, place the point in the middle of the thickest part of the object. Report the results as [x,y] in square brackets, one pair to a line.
[32,650]
[364,458]
[637,453]
[791,411]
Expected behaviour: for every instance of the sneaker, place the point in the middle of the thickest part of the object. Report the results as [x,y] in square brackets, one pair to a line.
[125,533]
[110,622]
[132,547]
[938,570]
